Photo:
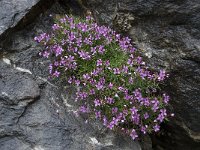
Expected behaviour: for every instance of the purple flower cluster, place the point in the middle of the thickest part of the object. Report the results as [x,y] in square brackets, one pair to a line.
[115,85]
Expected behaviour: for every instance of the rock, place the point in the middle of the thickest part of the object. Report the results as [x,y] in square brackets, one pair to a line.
[17,90]
[13,144]
[17,13]
[16,87]
[167,32]
[36,113]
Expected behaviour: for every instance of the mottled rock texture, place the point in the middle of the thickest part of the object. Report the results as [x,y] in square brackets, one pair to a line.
[15,14]
[168,34]
[37,114]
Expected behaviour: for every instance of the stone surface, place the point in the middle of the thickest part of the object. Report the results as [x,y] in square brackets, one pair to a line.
[17,13]
[167,32]
[37,114]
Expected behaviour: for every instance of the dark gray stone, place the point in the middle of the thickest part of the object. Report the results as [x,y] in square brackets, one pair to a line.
[13,143]
[16,87]
[18,13]
[17,90]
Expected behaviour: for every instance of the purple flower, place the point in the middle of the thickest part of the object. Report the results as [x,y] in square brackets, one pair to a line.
[115,121]
[117,36]
[121,89]
[156,128]
[146,115]
[98,114]
[132,50]
[55,27]
[83,109]
[105,121]
[83,27]
[110,100]
[114,110]
[125,69]
[97,103]
[94,72]
[72,26]
[88,18]
[131,80]
[133,110]
[77,82]
[135,118]
[123,45]
[99,86]
[58,50]
[145,102]
[79,41]
[86,76]
[160,118]
[107,63]
[101,49]
[50,68]
[70,80]
[71,37]
[110,85]
[99,62]
[163,112]
[143,129]
[70,19]
[56,63]
[133,134]
[165,98]
[125,112]
[63,20]
[155,103]
[139,60]
[45,54]
[93,50]
[82,95]
[56,73]
[116,70]
[138,95]
[111,125]
[162,115]
[161,75]
[127,97]
[130,62]
[92,91]
[88,41]
[84,55]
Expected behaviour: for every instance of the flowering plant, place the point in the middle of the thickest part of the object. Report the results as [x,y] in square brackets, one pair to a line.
[115,85]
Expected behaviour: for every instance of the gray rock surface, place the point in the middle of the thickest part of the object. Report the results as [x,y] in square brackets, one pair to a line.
[168,33]
[37,114]
[18,12]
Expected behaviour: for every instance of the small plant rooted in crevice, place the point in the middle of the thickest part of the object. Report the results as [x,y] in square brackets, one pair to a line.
[114,83]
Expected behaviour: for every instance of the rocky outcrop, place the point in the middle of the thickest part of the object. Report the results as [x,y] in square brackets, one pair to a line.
[167,32]
[35,113]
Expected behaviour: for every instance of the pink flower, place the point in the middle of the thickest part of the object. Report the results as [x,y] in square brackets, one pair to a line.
[56,73]
[97,103]
[110,85]
[156,128]
[99,62]
[133,134]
